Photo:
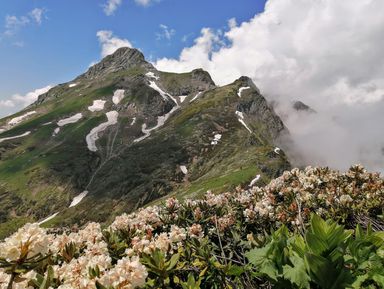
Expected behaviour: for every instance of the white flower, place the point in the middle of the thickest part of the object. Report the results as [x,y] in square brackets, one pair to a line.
[128,273]
[37,238]
[345,199]
[177,234]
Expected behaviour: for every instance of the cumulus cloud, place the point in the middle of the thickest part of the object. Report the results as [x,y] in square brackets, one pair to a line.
[232,23]
[37,15]
[110,43]
[14,23]
[19,101]
[166,32]
[328,54]
[111,6]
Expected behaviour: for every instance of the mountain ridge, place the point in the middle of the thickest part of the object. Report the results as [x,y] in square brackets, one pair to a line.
[124,134]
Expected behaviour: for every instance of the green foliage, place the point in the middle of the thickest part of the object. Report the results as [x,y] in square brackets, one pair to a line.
[328,256]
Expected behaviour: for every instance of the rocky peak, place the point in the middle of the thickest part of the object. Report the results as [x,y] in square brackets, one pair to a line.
[122,59]
[245,81]
[202,76]
[301,106]
[255,105]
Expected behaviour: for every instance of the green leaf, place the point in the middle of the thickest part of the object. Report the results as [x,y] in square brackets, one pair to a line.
[379,279]
[297,274]
[235,270]
[316,243]
[258,255]
[298,245]
[172,263]
[357,284]
[325,274]
[269,269]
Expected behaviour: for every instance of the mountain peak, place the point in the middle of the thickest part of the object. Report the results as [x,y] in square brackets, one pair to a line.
[300,106]
[246,81]
[122,59]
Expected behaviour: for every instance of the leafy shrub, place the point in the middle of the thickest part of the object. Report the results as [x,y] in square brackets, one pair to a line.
[274,236]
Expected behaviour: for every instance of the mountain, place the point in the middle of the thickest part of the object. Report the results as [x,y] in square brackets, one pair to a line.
[301,106]
[124,134]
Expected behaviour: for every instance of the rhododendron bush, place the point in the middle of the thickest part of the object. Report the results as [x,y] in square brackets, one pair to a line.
[219,241]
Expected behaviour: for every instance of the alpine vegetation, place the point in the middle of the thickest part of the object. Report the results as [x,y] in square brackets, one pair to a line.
[312,228]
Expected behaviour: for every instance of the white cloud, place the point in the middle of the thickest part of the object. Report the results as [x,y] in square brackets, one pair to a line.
[37,15]
[14,23]
[111,6]
[166,32]
[18,101]
[232,23]
[329,54]
[198,55]
[110,43]
[144,2]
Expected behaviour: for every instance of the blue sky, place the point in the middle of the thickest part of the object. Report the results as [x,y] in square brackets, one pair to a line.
[61,42]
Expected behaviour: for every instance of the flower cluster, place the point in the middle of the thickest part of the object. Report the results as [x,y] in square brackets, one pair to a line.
[113,258]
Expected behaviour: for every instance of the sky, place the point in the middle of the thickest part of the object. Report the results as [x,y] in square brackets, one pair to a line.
[46,42]
[328,54]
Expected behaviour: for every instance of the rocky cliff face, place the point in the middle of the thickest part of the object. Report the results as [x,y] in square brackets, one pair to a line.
[123,59]
[124,134]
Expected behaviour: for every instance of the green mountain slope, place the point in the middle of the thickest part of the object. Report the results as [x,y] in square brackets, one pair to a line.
[124,134]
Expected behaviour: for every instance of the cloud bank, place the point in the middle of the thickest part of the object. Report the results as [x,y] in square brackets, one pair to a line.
[328,54]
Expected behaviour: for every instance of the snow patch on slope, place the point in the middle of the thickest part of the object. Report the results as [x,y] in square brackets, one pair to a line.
[184,169]
[241,89]
[160,122]
[56,131]
[72,85]
[152,75]
[118,96]
[196,96]
[48,219]
[76,200]
[93,136]
[72,119]
[160,119]
[240,117]
[16,120]
[216,139]
[182,98]
[16,136]
[165,95]
[277,150]
[97,105]
[254,180]
[133,121]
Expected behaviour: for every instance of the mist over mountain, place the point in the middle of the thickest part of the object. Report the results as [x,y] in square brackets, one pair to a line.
[327,54]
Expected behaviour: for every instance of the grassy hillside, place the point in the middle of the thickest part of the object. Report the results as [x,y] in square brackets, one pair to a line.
[41,173]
